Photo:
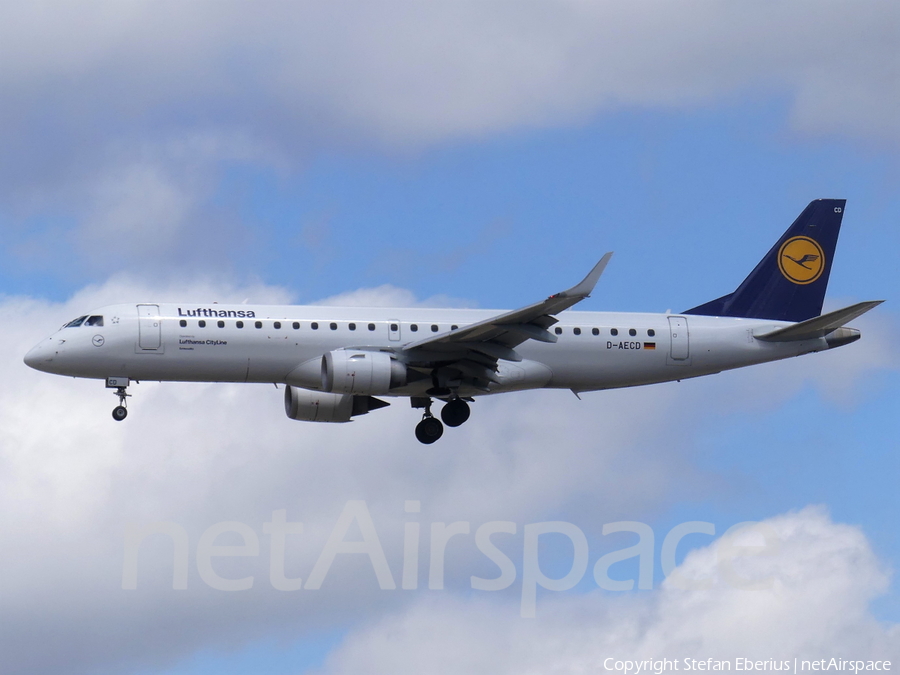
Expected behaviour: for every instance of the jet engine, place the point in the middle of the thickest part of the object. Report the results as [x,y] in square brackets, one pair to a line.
[318,406]
[348,371]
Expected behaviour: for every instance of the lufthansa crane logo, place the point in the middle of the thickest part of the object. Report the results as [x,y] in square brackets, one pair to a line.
[801,260]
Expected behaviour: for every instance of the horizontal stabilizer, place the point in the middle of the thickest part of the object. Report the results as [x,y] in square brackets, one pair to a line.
[819,326]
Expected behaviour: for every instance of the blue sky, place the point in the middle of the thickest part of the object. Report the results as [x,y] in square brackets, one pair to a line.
[663,183]
[240,158]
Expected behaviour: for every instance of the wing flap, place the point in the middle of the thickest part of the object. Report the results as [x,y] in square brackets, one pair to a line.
[494,350]
[529,331]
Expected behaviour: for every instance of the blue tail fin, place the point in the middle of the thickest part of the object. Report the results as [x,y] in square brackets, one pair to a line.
[789,283]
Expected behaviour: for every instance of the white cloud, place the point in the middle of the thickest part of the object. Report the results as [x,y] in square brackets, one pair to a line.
[71,480]
[119,117]
[142,207]
[837,375]
[408,73]
[823,576]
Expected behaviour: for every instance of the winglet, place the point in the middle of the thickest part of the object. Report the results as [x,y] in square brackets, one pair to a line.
[583,289]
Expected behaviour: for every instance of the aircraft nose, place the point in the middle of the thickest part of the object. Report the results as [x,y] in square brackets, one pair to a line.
[40,356]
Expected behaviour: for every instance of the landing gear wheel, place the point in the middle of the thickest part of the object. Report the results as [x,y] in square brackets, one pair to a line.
[455,412]
[119,413]
[429,430]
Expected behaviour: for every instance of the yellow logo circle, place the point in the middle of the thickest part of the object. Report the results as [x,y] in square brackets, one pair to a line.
[801,260]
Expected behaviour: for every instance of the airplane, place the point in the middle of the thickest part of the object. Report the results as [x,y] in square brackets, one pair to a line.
[334,362]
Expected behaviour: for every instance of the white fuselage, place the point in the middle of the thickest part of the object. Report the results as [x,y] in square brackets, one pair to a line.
[242,343]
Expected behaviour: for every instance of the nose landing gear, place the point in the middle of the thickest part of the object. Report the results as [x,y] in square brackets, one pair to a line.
[120,412]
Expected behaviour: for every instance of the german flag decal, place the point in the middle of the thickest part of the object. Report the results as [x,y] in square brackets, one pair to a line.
[649,345]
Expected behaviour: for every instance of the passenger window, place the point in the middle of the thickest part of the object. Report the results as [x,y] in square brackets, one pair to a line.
[454,327]
[333,326]
[595,331]
[558,330]
[352,326]
[394,326]
[75,323]
[201,323]
[296,325]
[182,323]
[413,327]
[277,325]
[220,324]
[434,328]
[314,325]
[94,321]
[577,331]
[613,331]
[632,332]
[651,332]
[239,324]
[371,326]
[258,324]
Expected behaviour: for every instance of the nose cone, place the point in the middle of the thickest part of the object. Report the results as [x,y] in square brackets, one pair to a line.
[41,357]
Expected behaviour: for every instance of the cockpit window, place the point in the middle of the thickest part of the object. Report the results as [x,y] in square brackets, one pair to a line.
[77,322]
[94,321]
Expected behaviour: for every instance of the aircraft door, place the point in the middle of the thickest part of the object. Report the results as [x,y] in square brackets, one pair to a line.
[394,330]
[681,347]
[149,327]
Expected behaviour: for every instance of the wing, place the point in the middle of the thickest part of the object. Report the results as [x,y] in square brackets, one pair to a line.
[472,351]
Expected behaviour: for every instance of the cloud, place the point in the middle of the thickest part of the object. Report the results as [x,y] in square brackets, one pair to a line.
[821,576]
[120,120]
[837,375]
[407,74]
[72,480]
[146,206]
[150,205]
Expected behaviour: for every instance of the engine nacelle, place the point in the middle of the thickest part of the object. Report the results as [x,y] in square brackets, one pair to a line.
[319,406]
[348,371]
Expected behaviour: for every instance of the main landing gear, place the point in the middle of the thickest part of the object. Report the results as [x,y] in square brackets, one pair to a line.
[430,428]
[120,412]
[454,413]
